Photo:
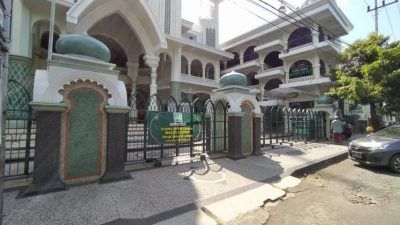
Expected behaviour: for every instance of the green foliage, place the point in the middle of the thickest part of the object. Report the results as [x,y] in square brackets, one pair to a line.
[368,73]
[365,72]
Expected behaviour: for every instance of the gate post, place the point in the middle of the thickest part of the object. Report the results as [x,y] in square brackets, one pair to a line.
[46,177]
[234,135]
[116,144]
[257,133]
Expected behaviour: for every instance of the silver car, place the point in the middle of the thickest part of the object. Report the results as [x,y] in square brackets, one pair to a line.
[379,149]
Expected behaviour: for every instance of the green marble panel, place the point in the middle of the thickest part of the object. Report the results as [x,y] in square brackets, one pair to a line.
[84,135]
[246,130]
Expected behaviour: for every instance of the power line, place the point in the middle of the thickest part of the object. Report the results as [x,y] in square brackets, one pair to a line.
[376,8]
[398,6]
[286,15]
[275,25]
[390,23]
[366,3]
[277,14]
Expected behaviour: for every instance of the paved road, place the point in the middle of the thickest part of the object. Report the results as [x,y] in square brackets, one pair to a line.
[343,193]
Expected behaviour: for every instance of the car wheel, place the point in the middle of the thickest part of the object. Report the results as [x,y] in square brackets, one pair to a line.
[395,164]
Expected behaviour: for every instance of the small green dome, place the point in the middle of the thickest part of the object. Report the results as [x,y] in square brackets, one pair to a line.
[233,78]
[83,45]
[324,100]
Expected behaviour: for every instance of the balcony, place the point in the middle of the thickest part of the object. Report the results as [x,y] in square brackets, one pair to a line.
[307,81]
[251,65]
[271,73]
[276,45]
[327,46]
[185,78]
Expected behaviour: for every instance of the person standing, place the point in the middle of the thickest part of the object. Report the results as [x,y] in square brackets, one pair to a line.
[337,129]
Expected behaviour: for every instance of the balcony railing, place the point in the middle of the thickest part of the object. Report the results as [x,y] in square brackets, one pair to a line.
[304,78]
[300,73]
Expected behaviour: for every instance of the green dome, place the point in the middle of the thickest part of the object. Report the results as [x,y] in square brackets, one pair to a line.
[233,78]
[324,100]
[83,45]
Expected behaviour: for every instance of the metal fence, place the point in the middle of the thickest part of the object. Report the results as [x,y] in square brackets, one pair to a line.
[287,125]
[19,142]
[19,132]
[205,121]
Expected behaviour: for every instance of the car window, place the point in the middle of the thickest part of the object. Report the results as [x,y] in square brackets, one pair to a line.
[389,132]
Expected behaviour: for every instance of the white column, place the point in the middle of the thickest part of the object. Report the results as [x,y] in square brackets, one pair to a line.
[286,68]
[153,62]
[285,41]
[316,67]
[241,56]
[262,90]
[217,72]
[315,34]
[189,69]
[203,69]
[176,65]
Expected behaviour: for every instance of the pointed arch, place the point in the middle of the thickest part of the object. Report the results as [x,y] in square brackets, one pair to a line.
[88,12]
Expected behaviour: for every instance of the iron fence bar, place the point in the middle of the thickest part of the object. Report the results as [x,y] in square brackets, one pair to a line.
[225,109]
[276,125]
[191,131]
[28,142]
[270,130]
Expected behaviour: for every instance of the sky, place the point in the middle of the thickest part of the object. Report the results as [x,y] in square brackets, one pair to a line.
[235,19]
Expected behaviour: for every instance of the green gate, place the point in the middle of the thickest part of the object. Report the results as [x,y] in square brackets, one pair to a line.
[19,132]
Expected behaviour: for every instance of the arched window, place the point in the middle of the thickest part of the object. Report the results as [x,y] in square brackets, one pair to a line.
[272,60]
[300,36]
[251,80]
[210,71]
[300,68]
[184,65]
[44,40]
[249,54]
[322,69]
[235,61]
[272,84]
[196,68]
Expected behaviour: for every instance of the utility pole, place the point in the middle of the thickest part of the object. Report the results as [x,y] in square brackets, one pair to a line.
[384,4]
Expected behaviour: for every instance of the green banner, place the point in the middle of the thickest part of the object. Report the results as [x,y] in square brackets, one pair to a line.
[173,127]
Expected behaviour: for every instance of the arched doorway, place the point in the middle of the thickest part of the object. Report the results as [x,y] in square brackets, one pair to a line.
[196,68]
[235,61]
[249,54]
[299,37]
[251,79]
[272,84]
[272,60]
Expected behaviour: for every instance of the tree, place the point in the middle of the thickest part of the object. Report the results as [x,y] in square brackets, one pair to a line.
[367,74]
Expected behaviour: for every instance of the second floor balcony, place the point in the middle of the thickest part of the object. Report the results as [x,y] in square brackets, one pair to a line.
[271,73]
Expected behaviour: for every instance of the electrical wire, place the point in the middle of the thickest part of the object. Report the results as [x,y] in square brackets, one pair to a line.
[312,44]
[390,23]
[286,15]
[398,6]
[275,25]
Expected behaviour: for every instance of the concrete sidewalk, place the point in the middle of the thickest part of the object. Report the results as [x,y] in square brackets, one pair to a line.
[169,195]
